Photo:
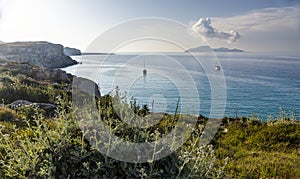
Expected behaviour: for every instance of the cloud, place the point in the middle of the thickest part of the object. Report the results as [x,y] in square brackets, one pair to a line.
[205,28]
[268,19]
[271,29]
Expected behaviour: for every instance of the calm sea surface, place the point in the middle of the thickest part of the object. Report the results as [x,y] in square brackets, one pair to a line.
[247,83]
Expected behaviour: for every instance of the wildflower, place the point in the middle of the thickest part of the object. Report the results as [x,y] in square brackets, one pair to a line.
[6,136]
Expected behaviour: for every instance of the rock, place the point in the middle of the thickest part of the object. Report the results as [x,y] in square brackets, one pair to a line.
[61,76]
[40,75]
[50,109]
[37,53]
[71,51]
[87,86]
[19,103]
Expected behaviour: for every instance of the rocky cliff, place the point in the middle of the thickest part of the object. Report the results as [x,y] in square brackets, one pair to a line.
[37,53]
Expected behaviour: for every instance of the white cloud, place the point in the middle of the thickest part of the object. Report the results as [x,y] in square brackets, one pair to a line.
[205,28]
[269,29]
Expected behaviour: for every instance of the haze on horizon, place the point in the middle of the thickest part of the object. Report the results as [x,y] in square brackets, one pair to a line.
[249,25]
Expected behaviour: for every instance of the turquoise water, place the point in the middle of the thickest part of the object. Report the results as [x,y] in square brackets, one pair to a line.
[257,84]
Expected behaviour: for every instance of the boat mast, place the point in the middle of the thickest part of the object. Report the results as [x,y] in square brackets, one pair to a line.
[144,71]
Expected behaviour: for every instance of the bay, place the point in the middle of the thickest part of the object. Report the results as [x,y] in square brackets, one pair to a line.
[254,83]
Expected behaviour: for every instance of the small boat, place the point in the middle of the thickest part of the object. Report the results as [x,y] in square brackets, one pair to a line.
[217,67]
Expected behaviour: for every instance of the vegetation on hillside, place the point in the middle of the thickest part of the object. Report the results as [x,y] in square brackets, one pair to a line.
[260,149]
[34,145]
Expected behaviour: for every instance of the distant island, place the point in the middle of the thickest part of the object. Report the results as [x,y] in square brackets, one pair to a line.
[208,48]
[96,53]
[71,51]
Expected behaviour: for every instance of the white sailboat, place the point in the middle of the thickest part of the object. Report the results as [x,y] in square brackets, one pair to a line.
[217,67]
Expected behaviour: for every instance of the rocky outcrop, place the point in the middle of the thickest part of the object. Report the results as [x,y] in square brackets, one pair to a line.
[50,109]
[87,86]
[52,75]
[71,51]
[19,103]
[37,53]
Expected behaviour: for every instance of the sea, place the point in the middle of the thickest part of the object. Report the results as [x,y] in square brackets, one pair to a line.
[260,85]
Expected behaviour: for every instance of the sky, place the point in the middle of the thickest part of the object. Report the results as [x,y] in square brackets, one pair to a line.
[256,25]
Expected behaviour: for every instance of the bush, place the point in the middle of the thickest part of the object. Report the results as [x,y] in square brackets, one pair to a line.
[7,114]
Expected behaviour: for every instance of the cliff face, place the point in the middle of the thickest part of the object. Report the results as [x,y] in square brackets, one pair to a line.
[37,53]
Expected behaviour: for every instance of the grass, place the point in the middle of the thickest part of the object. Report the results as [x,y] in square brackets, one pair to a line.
[261,149]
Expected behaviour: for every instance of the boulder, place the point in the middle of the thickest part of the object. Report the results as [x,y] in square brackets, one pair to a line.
[87,86]
[61,75]
[19,103]
[50,109]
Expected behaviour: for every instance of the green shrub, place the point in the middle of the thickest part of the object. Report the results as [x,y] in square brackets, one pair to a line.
[7,114]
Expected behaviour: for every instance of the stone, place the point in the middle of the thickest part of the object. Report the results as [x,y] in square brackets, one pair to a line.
[50,109]
[61,75]
[86,85]
[19,103]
